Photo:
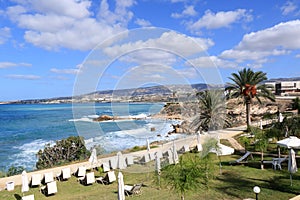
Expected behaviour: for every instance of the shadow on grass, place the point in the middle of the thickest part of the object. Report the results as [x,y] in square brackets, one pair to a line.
[235,185]
[281,183]
[240,186]
[18,197]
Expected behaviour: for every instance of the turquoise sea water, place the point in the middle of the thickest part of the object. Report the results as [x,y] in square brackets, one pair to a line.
[24,129]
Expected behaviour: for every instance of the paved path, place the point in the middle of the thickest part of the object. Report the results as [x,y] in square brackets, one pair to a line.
[190,140]
[236,145]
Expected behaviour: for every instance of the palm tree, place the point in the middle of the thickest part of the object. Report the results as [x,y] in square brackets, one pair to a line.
[213,112]
[296,104]
[247,84]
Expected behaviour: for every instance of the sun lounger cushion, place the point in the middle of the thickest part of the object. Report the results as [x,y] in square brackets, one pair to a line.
[110,177]
[105,167]
[130,190]
[81,171]
[129,160]
[36,179]
[48,177]
[28,197]
[66,173]
[50,188]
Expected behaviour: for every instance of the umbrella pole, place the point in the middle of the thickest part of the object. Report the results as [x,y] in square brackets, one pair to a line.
[291,179]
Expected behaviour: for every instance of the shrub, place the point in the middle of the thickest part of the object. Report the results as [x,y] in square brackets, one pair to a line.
[64,151]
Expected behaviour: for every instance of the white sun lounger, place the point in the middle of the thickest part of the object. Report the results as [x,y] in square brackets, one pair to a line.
[28,197]
[48,177]
[129,160]
[49,189]
[113,163]
[132,189]
[248,153]
[36,180]
[111,177]
[145,158]
[89,178]
[159,154]
[81,171]
[66,173]
[168,153]
[152,156]
[184,149]
[105,167]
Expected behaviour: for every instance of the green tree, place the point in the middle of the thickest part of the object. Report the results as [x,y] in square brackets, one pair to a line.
[64,151]
[247,84]
[296,104]
[261,143]
[192,172]
[213,114]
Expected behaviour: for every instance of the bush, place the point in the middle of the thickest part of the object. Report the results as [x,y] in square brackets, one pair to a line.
[15,170]
[64,151]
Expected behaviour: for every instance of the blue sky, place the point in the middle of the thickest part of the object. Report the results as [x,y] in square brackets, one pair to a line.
[47,46]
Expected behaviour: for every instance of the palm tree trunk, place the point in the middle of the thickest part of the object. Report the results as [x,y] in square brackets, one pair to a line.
[262,159]
[248,119]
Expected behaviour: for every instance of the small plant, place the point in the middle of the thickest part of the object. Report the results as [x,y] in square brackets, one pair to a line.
[15,170]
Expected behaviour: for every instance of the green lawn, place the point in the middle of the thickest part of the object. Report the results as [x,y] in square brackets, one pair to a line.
[235,182]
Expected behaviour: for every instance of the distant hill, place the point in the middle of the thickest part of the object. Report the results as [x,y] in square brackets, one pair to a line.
[283,79]
[143,94]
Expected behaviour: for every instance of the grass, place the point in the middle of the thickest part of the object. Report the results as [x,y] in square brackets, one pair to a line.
[235,182]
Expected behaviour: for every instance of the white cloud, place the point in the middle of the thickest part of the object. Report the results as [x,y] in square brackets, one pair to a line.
[4,34]
[188,11]
[150,56]
[171,41]
[24,77]
[121,14]
[4,65]
[258,46]
[221,19]
[143,22]
[210,62]
[69,24]
[150,73]
[288,8]
[64,71]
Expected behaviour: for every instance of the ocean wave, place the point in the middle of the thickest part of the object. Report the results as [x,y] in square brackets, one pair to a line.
[27,153]
[83,119]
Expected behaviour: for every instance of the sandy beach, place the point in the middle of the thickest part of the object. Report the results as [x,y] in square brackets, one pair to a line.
[190,140]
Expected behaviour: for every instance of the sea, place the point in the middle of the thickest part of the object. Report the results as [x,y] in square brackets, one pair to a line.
[26,128]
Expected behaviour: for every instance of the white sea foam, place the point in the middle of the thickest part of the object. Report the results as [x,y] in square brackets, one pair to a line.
[27,155]
[83,119]
[124,139]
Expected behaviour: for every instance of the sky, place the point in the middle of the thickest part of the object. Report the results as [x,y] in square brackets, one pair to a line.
[54,48]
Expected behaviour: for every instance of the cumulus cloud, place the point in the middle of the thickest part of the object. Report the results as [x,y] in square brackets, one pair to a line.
[4,34]
[64,71]
[24,77]
[149,74]
[210,62]
[12,64]
[69,24]
[171,41]
[288,7]
[143,22]
[188,11]
[221,19]
[257,47]
[277,40]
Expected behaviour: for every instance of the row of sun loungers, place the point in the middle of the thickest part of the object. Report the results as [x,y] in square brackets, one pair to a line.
[118,162]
